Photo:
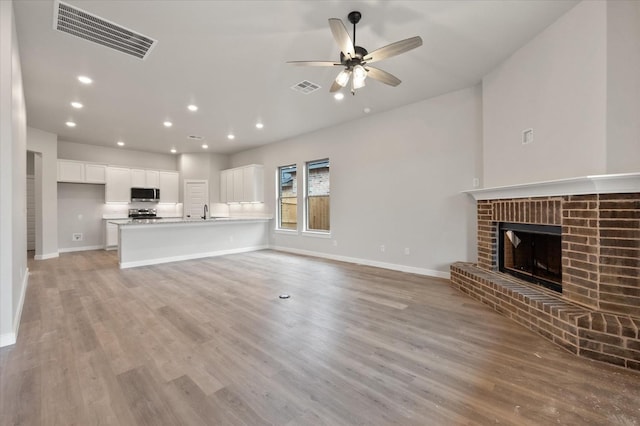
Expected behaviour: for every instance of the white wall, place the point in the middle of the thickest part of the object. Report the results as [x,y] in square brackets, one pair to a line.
[623,86]
[396,179]
[81,205]
[555,84]
[13,150]
[45,147]
[116,156]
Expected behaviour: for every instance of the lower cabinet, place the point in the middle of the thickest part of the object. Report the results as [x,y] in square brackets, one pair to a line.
[111,236]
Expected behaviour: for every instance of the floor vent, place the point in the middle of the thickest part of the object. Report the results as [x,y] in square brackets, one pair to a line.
[77,22]
[305,87]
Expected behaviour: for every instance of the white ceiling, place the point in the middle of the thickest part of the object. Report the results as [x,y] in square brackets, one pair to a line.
[228,57]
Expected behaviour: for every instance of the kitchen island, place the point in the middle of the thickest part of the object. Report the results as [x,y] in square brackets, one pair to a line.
[153,241]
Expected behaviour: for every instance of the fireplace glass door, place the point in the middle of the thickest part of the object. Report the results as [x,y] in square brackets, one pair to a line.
[532,253]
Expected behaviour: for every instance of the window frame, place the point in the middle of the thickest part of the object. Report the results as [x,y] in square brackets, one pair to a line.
[278,227]
[305,181]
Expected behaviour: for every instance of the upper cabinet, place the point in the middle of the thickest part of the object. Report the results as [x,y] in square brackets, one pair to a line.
[118,188]
[169,182]
[120,180]
[79,172]
[145,178]
[242,184]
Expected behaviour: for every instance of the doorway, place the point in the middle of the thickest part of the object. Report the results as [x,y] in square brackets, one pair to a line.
[196,196]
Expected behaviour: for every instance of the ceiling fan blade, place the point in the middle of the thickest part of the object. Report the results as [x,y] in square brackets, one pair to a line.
[313,63]
[393,49]
[335,87]
[342,37]
[382,76]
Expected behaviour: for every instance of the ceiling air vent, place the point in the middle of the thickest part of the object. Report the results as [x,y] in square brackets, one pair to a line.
[305,87]
[77,22]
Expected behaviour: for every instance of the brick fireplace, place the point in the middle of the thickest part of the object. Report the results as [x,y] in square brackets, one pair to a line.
[597,315]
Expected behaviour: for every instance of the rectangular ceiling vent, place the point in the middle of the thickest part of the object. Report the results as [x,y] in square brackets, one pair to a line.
[305,87]
[77,22]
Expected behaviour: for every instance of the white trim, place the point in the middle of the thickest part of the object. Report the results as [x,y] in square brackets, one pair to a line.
[46,256]
[157,261]
[316,234]
[9,339]
[84,248]
[598,184]
[384,265]
[290,232]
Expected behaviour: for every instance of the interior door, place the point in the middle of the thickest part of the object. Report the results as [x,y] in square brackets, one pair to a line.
[196,196]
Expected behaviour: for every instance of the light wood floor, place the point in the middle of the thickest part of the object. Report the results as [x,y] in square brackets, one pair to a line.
[208,342]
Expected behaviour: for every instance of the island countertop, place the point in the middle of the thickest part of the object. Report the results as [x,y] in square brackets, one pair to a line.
[179,220]
[152,241]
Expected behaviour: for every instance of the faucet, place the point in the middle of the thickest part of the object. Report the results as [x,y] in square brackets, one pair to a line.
[206,211]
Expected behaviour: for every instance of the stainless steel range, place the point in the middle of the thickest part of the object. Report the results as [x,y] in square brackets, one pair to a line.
[143,214]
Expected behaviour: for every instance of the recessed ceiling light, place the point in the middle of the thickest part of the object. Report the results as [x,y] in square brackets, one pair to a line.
[259,125]
[173,150]
[367,110]
[167,124]
[231,136]
[120,143]
[84,79]
[205,146]
[70,124]
[76,105]
[339,96]
[192,108]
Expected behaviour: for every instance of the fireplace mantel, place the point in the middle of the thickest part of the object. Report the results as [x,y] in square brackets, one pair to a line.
[598,184]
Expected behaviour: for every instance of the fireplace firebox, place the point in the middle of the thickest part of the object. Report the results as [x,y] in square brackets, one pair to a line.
[532,253]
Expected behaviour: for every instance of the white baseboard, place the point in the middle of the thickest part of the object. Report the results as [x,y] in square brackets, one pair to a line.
[9,339]
[124,265]
[46,256]
[375,263]
[84,248]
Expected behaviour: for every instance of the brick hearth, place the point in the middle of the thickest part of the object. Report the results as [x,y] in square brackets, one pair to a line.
[598,313]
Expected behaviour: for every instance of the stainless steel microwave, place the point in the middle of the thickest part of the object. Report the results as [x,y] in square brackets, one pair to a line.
[145,194]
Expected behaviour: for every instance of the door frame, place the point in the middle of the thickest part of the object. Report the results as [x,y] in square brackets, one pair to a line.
[184,200]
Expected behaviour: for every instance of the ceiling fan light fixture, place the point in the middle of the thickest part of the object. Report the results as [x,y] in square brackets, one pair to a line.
[359,74]
[343,78]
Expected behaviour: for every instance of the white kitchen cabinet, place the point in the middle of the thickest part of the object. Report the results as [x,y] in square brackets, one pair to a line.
[79,172]
[95,173]
[169,182]
[145,178]
[253,183]
[111,235]
[70,171]
[152,178]
[229,186]
[118,186]
[238,188]
[242,184]
[223,185]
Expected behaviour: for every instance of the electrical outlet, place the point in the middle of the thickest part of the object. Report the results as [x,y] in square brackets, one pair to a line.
[407,251]
[335,243]
[76,237]
[231,238]
[476,182]
[382,248]
[527,136]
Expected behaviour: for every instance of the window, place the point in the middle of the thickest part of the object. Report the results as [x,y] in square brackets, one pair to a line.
[317,195]
[287,197]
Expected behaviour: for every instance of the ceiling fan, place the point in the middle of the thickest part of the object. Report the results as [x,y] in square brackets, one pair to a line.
[356,59]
